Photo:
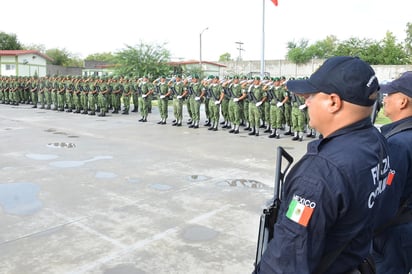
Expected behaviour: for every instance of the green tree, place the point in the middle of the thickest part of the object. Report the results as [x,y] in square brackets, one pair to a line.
[392,53]
[38,47]
[105,57]
[408,39]
[325,48]
[299,53]
[143,59]
[9,42]
[225,57]
[61,57]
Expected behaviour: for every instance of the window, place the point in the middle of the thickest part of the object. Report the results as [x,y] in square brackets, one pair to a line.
[10,67]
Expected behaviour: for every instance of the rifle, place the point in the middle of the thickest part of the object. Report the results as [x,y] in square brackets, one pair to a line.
[210,93]
[252,97]
[270,214]
[376,107]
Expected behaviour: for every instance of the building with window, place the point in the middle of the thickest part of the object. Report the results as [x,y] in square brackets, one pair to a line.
[23,63]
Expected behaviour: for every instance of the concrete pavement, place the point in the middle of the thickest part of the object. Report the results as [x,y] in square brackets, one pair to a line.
[88,194]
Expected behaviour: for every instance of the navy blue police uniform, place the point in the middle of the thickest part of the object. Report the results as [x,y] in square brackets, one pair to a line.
[333,196]
[392,245]
[323,184]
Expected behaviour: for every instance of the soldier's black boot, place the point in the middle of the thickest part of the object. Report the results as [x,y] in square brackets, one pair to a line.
[273,135]
[289,132]
[212,126]
[232,130]
[267,129]
[253,132]
[236,130]
[295,137]
[247,126]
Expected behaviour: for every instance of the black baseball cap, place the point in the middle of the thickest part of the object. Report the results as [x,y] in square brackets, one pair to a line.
[351,78]
[402,84]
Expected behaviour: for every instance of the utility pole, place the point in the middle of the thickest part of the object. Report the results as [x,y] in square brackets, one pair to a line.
[239,58]
[200,47]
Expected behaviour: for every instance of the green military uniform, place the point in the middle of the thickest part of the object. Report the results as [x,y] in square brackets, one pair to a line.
[298,116]
[287,110]
[135,95]
[179,91]
[61,95]
[69,94]
[146,91]
[102,98]
[257,97]
[215,95]
[84,96]
[206,84]
[77,95]
[196,94]
[55,88]
[224,108]
[117,94]
[42,92]
[34,89]
[237,95]
[47,92]
[92,96]
[277,105]
[126,95]
[163,100]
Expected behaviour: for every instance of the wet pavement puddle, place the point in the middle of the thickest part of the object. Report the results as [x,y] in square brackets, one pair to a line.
[41,157]
[124,269]
[68,164]
[133,180]
[161,187]
[105,175]
[20,198]
[242,183]
[197,178]
[61,145]
[197,233]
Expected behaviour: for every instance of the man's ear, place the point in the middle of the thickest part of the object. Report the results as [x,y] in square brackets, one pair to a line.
[335,103]
[404,102]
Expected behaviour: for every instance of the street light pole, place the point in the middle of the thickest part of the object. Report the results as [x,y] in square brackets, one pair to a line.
[200,48]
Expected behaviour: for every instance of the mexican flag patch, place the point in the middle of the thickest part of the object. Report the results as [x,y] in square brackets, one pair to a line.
[299,213]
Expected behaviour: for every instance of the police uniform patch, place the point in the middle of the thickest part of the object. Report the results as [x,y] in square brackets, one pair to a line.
[299,213]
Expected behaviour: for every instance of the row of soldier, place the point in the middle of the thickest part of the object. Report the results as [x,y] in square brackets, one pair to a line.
[252,103]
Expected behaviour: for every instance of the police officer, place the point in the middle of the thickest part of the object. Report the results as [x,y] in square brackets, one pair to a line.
[331,197]
[393,243]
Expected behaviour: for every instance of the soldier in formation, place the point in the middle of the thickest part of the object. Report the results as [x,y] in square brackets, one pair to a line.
[232,102]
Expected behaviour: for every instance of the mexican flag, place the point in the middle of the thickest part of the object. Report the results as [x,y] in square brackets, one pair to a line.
[299,213]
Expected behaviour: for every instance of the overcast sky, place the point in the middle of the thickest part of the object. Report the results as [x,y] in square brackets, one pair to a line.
[84,27]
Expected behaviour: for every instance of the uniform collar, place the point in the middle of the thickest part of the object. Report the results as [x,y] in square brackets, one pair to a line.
[315,146]
[386,128]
